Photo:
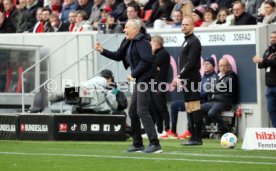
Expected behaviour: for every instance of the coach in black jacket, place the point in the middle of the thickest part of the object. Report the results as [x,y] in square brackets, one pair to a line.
[135,51]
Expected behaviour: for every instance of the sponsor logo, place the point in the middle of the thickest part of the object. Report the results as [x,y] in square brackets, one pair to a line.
[265,136]
[33,128]
[7,127]
[63,127]
[83,127]
[74,127]
[95,127]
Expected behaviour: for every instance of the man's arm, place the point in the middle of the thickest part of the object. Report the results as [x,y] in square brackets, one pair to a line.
[117,55]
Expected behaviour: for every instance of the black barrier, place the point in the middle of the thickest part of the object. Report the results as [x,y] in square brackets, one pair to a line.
[8,127]
[89,127]
[35,127]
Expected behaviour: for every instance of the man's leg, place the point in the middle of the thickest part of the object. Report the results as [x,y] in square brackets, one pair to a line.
[176,106]
[271,104]
[160,101]
[143,102]
[156,115]
[135,121]
[215,114]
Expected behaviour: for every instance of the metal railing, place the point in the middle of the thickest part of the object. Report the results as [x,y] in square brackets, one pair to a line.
[63,71]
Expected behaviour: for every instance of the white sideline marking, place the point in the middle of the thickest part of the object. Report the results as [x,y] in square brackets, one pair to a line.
[219,155]
[137,158]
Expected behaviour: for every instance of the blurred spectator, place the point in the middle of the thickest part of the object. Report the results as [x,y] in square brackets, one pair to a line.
[46,13]
[219,4]
[161,9]
[10,13]
[81,22]
[57,25]
[197,17]
[95,16]
[38,27]
[68,5]
[121,12]
[1,20]
[270,13]
[224,18]
[1,6]
[185,6]
[113,4]
[21,16]
[85,5]
[177,19]
[209,18]
[199,2]
[242,17]
[55,7]
[175,23]
[72,20]
[252,6]
[261,11]
[104,15]
[132,13]
[112,25]
[32,6]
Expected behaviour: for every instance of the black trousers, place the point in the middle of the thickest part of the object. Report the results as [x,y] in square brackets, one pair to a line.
[159,111]
[140,109]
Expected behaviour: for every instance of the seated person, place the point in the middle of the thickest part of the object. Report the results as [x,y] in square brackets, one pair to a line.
[120,96]
[223,96]
[109,98]
[210,76]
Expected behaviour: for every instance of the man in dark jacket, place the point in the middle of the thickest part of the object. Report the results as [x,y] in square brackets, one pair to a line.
[189,66]
[135,51]
[223,96]
[217,5]
[268,62]
[159,109]
[10,13]
[242,17]
[32,6]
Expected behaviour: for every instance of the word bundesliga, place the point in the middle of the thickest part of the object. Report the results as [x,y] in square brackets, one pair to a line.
[212,86]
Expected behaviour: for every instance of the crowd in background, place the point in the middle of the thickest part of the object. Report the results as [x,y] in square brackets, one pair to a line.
[109,16]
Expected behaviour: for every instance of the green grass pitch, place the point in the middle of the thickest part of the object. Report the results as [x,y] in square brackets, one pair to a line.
[111,156]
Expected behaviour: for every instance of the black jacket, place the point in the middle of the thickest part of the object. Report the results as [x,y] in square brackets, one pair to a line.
[31,16]
[160,12]
[270,74]
[9,25]
[245,19]
[221,3]
[189,63]
[162,61]
[226,89]
[140,59]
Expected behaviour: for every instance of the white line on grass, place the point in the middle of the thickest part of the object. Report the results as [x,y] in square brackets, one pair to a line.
[219,155]
[138,158]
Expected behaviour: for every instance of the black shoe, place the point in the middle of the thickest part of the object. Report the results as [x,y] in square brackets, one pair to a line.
[153,149]
[192,142]
[132,148]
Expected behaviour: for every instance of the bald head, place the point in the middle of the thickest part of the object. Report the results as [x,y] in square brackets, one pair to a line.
[224,66]
[187,25]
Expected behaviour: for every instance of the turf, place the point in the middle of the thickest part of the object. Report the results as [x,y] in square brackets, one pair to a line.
[68,155]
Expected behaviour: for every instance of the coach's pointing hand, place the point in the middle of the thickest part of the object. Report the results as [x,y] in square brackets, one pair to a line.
[98,47]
